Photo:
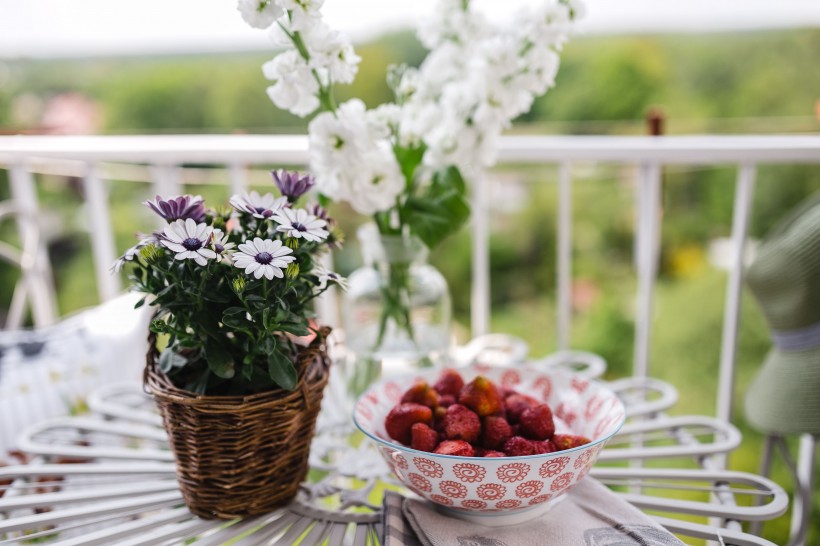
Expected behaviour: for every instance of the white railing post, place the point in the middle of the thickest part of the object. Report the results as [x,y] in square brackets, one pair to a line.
[166,179]
[564,257]
[103,246]
[744,192]
[647,240]
[480,300]
[39,284]
[237,179]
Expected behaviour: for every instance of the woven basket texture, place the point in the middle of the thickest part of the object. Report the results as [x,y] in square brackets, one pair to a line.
[241,455]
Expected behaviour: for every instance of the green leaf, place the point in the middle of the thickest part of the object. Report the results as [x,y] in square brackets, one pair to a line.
[168,360]
[219,360]
[295,328]
[139,303]
[440,210]
[233,311]
[409,159]
[159,327]
[450,178]
[165,290]
[281,370]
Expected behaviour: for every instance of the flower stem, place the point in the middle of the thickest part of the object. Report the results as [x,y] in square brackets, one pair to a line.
[396,294]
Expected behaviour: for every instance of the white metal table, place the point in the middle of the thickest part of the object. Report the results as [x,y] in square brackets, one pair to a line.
[108,477]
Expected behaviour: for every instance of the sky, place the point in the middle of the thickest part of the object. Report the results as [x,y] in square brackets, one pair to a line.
[49,28]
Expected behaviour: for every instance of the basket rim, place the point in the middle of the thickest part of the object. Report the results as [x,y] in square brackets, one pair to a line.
[157,383]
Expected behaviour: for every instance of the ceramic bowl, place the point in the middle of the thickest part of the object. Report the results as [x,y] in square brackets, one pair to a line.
[504,490]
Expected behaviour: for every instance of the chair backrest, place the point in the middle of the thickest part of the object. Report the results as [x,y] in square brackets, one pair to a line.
[48,372]
[34,288]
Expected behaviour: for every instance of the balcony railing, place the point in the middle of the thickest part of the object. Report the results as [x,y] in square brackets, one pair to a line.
[161,161]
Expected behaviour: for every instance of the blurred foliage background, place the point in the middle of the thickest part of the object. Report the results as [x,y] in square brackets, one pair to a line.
[749,82]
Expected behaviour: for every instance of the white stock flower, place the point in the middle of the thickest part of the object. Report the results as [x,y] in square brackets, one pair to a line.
[332,51]
[378,183]
[442,65]
[259,13]
[417,119]
[295,87]
[383,120]
[451,22]
[337,143]
[304,13]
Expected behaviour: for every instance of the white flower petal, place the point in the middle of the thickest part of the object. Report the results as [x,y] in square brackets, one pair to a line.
[175,247]
[190,227]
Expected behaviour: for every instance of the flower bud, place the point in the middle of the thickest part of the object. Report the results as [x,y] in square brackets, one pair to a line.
[239,285]
[149,253]
[293,270]
[292,243]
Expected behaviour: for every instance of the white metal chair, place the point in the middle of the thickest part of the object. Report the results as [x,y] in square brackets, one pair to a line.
[34,285]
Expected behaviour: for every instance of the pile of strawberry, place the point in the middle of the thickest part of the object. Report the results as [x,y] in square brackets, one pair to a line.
[476,419]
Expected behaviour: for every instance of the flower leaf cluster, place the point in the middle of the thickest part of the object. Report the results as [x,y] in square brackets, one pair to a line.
[404,163]
[233,287]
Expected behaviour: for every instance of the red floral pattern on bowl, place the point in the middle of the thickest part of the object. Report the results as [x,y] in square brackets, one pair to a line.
[475,485]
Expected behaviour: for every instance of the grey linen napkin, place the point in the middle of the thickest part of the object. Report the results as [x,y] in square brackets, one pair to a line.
[591,515]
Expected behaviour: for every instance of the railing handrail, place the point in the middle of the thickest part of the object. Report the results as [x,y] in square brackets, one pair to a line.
[174,149]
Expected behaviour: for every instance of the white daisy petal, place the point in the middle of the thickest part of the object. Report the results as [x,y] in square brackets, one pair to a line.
[175,247]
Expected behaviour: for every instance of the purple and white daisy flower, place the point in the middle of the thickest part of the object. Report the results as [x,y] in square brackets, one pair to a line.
[263,257]
[318,211]
[189,240]
[299,223]
[180,207]
[260,206]
[131,253]
[291,184]
[222,246]
[326,276]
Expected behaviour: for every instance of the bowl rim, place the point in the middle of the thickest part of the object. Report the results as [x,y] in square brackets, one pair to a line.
[402,447]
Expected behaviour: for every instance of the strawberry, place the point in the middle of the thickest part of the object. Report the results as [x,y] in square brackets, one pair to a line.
[461,423]
[516,404]
[568,441]
[496,431]
[455,447]
[536,423]
[421,393]
[491,453]
[402,417]
[446,400]
[423,437]
[482,396]
[518,446]
[449,382]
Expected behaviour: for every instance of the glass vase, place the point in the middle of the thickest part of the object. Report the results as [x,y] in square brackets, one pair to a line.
[396,311]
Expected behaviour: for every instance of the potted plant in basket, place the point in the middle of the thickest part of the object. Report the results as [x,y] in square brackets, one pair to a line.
[406,163]
[235,364]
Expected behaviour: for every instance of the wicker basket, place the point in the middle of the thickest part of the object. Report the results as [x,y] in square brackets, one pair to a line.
[241,455]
